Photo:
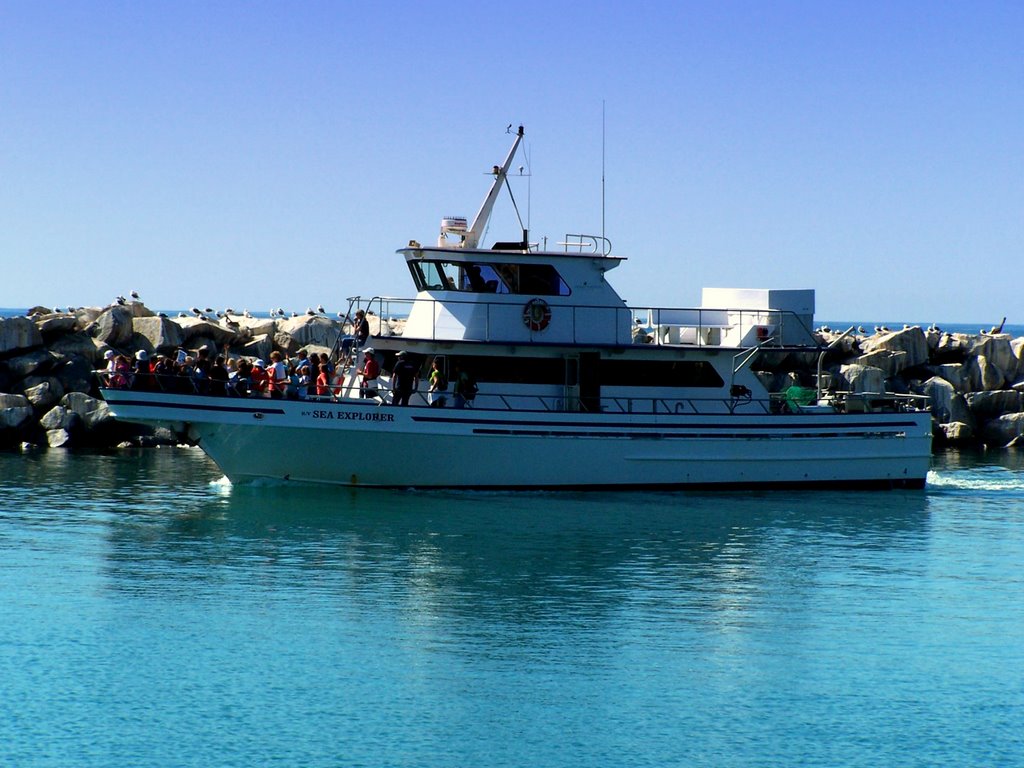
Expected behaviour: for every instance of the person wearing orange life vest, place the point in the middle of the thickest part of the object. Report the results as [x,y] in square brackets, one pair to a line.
[277,376]
[370,371]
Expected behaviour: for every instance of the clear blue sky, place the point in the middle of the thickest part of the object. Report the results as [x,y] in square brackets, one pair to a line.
[258,154]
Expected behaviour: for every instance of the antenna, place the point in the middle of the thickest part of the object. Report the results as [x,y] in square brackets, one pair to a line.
[602,170]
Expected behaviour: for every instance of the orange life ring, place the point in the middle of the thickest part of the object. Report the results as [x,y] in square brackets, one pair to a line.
[536,314]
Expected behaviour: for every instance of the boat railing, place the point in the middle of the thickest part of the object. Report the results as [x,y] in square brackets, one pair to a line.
[587,244]
[506,321]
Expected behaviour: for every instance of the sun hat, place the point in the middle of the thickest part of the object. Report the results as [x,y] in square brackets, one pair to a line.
[257,363]
[108,354]
[368,351]
[401,353]
[142,355]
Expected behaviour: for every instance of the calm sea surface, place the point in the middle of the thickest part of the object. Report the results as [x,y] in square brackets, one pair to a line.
[154,615]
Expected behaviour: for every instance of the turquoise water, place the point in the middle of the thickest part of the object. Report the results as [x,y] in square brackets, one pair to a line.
[154,615]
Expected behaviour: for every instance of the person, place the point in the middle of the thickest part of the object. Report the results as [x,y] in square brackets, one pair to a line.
[360,332]
[201,370]
[277,376]
[323,380]
[370,371]
[143,372]
[438,385]
[304,374]
[464,389]
[404,379]
[259,378]
[163,371]
[120,372]
[218,376]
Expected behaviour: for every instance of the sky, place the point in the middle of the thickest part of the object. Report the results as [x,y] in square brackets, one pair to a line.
[276,154]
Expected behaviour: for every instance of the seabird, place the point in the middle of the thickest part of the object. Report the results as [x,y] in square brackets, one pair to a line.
[320,309]
[860,329]
[209,310]
[247,313]
[134,295]
[309,311]
[121,300]
[196,312]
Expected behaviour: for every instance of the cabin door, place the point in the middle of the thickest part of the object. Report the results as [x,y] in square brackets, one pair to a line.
[583,382]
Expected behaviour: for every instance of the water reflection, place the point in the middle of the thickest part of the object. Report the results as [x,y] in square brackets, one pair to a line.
[172,528]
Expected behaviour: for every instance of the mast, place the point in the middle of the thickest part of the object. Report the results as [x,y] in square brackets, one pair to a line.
[474,233]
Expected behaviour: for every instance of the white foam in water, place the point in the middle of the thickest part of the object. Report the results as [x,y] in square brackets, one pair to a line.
[998,480]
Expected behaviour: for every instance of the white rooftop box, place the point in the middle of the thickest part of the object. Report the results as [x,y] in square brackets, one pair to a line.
[756,314]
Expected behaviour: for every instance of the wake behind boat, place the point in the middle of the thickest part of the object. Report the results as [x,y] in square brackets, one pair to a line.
[552,381]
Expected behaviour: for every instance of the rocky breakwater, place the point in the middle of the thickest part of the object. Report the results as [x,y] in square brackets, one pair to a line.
[48,391]
[973,382]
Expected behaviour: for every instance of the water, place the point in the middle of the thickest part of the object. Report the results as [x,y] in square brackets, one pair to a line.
[155,615]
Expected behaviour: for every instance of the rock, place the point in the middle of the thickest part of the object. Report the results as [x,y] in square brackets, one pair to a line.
[286,343]
[891,363]
[92,412]
[156,334]
[954,373]
[258,326]
[113,326]
[76,374]
[15,410]
[43,393]
[984,376]
[947,404]
[953,346]
[1004,430]
[987,405]
[957,432]
[17,333]
[311,329]
[38,362]
[260,347]
[909,340]
[55,418]
[862,378]
[79,344]
[194,327]
[55,324]
[998,351]
[57,438]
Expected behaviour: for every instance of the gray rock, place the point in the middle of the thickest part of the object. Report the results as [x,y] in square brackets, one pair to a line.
[194,327]
[998,351]
[861,378]
[954,373]
[76,374]
[987,405]
[1004,430]
[983,375]
[55,324]
[909,340]
[18,333]
[890,363]
[957,432]
[260,347]
[311,329]
[113,326]
[79,344]
[37,362]
[15,410]
[947,404]
[92,412]
[158,333]
[57,438]
[43,393]
[55,418]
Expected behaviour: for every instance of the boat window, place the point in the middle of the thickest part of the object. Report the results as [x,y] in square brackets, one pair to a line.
[434,275]
[524,370]
[479,277]
[657,373]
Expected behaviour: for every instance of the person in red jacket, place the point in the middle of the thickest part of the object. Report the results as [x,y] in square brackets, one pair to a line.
[370,371]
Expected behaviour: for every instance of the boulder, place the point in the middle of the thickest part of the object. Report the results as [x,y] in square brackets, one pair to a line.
[55,418]
[861,378]
[92,412]
[998,351]
[79,344]
[43,392]
[258,326]
[311,329]
[15,410]
[1004,430]
[18,333]
[76,374]
[113,326]
[890,363]
[947,405]
[37,362]
[260,347]
[987,405]
[957,432]
[55,324]
[195,327]
[58,438]
[983,375]
[156,334]
[954,373]
[909,340]
[953,345]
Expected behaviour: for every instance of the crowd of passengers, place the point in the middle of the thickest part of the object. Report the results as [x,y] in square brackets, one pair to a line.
[305,376]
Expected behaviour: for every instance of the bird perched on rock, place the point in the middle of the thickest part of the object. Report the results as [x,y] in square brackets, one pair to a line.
[121,300]
[134,295]
[310,312]
[320,309]
[196,311]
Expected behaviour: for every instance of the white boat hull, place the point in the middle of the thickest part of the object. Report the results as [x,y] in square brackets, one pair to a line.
[365,444]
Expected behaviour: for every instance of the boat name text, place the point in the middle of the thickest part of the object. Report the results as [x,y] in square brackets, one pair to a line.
[347,416]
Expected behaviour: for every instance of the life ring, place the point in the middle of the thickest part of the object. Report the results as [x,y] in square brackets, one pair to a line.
[536,314]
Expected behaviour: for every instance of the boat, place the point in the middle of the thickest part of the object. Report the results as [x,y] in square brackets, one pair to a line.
[574,389]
